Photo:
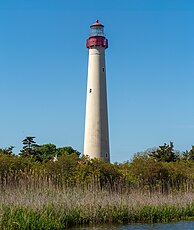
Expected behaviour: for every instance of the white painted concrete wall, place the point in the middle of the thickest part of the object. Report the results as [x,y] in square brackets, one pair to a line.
[96,141]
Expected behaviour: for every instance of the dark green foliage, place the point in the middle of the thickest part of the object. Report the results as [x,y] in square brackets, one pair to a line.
[7,151]
[165,153]
[29,145]
[67,151]
[189,155]
[45,152]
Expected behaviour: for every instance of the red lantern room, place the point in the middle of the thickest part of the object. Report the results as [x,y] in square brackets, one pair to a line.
[97,37]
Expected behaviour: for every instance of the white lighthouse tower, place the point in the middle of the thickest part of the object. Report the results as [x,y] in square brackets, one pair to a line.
[96,142]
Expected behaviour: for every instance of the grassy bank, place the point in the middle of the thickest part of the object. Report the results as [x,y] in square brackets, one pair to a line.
[78,191]
[52,208]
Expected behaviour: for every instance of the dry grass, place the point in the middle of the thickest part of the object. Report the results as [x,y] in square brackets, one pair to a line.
[52,208]
[75,197]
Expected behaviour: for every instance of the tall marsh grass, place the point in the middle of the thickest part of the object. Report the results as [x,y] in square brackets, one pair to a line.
[70,192]
[60,208]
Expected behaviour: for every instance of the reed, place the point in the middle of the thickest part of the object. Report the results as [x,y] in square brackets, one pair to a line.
[59,208]
[68,192]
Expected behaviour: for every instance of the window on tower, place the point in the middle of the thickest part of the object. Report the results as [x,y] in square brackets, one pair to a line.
[90,90]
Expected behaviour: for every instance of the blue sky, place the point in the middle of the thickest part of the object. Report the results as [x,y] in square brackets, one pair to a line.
[150,72]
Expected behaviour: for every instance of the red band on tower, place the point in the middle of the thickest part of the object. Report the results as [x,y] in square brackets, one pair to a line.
[97,37]
[97,41]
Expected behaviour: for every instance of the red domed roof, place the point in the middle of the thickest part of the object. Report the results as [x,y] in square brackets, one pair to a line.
[96,24]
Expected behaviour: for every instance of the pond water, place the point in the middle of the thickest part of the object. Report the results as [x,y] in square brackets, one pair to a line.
[182,225]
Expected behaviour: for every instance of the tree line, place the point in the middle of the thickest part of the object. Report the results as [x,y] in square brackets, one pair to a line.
[39,153]
[161,169]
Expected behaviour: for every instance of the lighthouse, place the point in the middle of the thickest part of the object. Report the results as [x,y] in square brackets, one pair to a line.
[96,140]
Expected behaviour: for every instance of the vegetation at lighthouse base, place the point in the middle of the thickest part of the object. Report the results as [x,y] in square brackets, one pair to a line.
[40,191]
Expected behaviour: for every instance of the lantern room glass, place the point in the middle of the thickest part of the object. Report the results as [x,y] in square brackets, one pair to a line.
[97,31]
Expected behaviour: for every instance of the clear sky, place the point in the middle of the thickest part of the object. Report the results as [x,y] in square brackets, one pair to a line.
[150,72]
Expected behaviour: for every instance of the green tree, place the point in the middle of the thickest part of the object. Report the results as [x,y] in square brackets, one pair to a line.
[189,155]
[29,145]
[44,152]
[68,150]
[7,151]
[47,152]
[165,153]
